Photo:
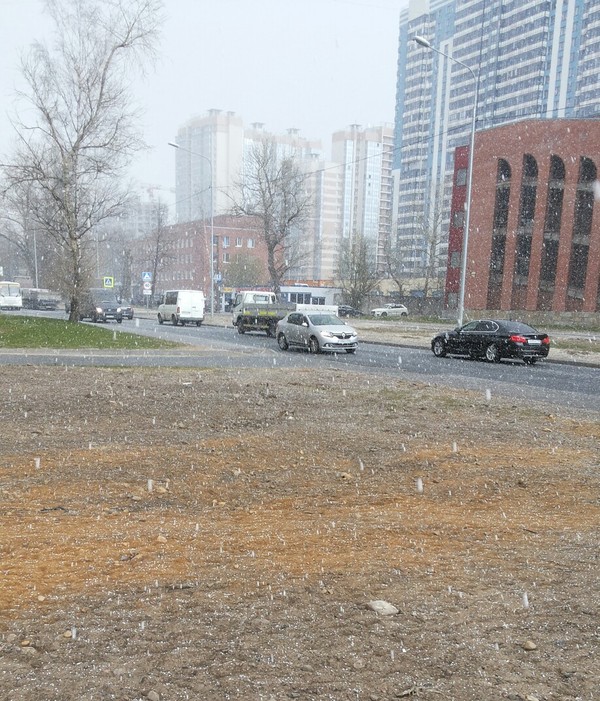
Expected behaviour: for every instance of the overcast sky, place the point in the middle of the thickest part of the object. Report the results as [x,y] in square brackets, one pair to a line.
[316,65]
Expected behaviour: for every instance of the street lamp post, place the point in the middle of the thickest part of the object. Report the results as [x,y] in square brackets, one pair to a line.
[212,212]
[464,258]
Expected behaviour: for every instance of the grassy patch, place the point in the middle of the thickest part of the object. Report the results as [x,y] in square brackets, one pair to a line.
[591,345]
[34,332]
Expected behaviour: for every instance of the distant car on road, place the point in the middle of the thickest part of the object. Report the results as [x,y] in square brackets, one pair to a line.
[492,340]
[318,332]
[99,304]
[390,310]
[126,310]
[346,310]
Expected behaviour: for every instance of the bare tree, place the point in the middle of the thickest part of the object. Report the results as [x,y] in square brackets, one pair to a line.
[432,228]
[83,131]
[357,269]
[16,229]
[273,189]
[160,245]
[393,260]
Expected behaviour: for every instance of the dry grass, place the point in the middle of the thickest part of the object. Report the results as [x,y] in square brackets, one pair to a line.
[304,480]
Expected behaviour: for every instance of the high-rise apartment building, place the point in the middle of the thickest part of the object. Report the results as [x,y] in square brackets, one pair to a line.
[365,155]
[216,150]
[527,59]
[323,230]
[207,163]
[210,160]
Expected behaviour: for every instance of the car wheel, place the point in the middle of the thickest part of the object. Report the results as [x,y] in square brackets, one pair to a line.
[438,347]
[492,354]
[119,321]
[271,330]
[404,314]
[351,350]
[198,323]
[530,361]
[174,320]
[282,342]
[383,313]
[94,319]
[240,326]
[160,320]
[313,345]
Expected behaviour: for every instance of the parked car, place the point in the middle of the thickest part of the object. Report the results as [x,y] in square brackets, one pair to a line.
[99,304]
[345,310]
[390,310]
[318,332]
[493,339]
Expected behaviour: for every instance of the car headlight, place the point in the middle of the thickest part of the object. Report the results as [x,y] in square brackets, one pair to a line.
[99,310]
[118,310]
[327,334]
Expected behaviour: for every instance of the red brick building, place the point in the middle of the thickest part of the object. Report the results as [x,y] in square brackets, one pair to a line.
[534,234]
[182,251]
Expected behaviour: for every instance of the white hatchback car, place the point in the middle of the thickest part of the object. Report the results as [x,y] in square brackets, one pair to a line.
[318,332]
[390,310]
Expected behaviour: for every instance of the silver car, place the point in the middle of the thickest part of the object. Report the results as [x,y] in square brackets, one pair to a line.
[319,332]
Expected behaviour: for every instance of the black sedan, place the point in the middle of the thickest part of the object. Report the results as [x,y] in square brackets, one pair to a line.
[492,340]
[347,310]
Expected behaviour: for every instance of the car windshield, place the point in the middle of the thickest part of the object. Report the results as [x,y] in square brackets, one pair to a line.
[325,320]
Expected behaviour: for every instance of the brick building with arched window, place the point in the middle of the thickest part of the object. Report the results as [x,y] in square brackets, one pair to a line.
[534,234]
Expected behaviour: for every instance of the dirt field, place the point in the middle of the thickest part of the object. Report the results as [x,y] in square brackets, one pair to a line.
[176,534]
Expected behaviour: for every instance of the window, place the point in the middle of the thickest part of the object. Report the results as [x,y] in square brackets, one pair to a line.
[225,257]
[487,326]
[549,260]
[523,255]
[461,176]
[554,208]
[455,259]
[497,255]
[225,240]
[458,219]
[238,242]
[250,243]
[578,266]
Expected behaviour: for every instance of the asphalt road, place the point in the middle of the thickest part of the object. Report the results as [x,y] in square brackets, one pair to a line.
[552,384]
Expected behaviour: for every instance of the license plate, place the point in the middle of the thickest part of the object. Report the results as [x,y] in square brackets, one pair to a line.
[534,342]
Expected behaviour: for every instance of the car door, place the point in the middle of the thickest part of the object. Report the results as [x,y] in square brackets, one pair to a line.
[304,330]
[293,328]
[465,338]
[485,334]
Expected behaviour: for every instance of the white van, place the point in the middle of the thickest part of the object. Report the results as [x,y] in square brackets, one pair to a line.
[182,307]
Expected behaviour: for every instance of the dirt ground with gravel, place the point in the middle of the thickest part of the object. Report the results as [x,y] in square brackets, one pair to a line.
[183,534]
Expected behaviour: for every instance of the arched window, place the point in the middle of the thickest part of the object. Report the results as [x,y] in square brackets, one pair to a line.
[500,222]
[526,216]
[582,227]
[552,224]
